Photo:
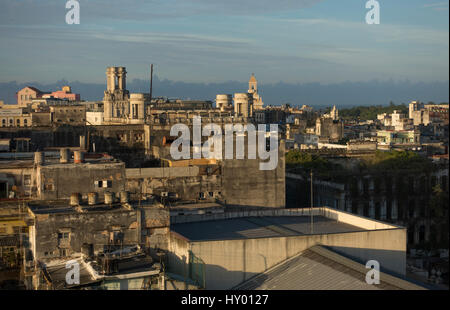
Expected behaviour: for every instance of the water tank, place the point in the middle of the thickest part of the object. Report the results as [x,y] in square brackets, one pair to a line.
[75,199]
[109,198]
[124,197]
[223,101]
[92,199]
[78,157]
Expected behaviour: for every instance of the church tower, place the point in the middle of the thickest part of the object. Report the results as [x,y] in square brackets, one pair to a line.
[253,85]
[116,95]
[253,90]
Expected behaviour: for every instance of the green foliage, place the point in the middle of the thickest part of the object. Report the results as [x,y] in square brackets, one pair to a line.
[396,160]
[371,112]
[307,161]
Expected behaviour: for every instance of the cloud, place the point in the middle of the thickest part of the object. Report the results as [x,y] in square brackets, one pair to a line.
[33,12]
[438,6]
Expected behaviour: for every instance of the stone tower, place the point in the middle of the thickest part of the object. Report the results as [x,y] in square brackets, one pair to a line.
[116,95]
[243,104]
[253,84]
[334,114]
[253,90]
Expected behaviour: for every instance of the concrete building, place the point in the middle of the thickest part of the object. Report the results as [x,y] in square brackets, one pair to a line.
[15,118]
[64,93]
[319,268]
[329,129]
[26,95]
[61,229]
[224,102]
[71,115]
[398,137]
[116,96]
[400,197]
[243,105]
[58,177]
[226,250]
[94,117]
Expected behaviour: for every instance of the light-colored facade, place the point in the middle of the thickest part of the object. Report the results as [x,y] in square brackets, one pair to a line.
[94,118]
[26,95]
[14,118]
[243,104]
[391,137]
[253,90]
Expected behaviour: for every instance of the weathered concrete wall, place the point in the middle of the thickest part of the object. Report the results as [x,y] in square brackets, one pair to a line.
[90,228]
[186,182]
[244,184]
[178,255]
[61,180]
[155,227]
[230,262]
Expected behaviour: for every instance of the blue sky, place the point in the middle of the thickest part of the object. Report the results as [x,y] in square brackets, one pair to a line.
[294,41]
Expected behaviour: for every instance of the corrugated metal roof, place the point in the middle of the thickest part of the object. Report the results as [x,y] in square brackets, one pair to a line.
[320,269]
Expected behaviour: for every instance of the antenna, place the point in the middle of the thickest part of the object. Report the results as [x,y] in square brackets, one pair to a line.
[151,82]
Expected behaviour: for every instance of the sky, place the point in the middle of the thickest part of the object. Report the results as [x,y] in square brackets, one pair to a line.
[211,41]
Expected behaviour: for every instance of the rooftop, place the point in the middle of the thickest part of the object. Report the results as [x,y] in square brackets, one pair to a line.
[260,227]
[318,268]
[63,206]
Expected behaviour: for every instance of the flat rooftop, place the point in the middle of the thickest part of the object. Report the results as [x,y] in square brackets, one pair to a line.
[63,206]
[261,227]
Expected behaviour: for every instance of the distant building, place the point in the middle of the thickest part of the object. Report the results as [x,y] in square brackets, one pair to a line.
[253,89]
[14,118]
[94,118]
[27,94]
[64,93]
[328,128]
[393,137]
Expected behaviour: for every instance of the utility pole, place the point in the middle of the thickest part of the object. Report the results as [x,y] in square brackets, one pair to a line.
[312,204]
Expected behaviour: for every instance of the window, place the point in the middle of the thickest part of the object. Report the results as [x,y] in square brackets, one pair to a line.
[18,122]
[63,235]
[25,122]
[98,183]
